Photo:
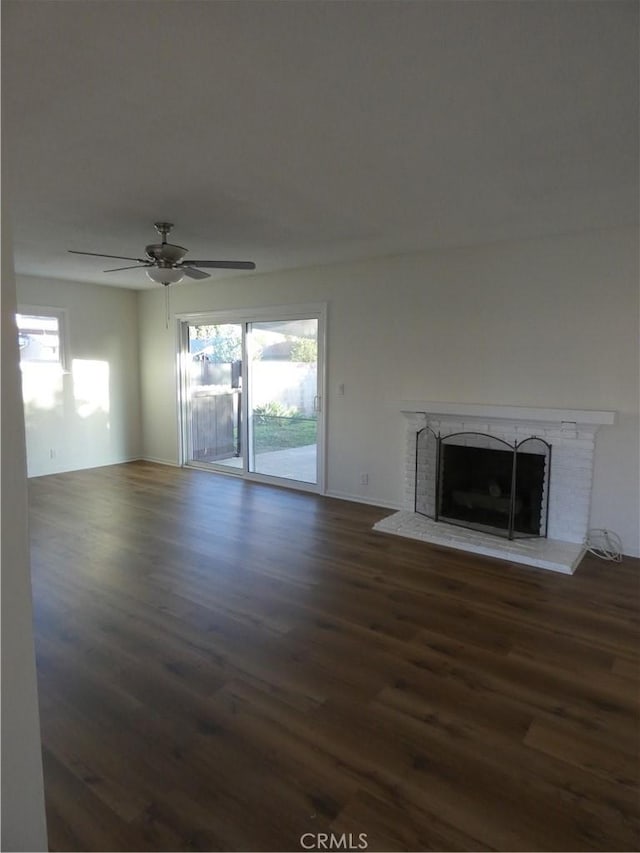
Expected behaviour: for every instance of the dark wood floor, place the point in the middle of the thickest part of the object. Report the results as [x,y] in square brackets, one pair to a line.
[226,666]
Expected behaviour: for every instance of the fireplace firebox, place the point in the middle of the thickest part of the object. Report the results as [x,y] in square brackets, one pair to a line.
[478,481]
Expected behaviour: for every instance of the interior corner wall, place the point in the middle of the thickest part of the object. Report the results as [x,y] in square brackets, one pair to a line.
[23,810]
[90,415]
[544,322]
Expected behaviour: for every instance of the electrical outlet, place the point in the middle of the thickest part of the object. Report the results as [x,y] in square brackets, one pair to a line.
[364,479]
[341,390]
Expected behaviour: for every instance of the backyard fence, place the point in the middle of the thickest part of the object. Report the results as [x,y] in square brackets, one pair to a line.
[213,418]
[292,383]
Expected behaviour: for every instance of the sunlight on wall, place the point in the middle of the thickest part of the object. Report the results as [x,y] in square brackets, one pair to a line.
[41,384]
[67,416]
[90,386]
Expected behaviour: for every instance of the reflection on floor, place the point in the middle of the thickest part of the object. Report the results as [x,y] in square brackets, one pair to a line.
[294,463]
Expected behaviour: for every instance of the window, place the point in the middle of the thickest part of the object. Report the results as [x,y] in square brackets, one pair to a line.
[41,336]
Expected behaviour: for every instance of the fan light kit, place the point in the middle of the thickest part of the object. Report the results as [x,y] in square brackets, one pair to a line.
[165,262]
[165,275]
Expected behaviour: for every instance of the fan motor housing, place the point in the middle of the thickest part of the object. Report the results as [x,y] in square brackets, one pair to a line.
[166,252]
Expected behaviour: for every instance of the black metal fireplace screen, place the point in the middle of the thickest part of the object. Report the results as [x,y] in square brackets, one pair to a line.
[485,483]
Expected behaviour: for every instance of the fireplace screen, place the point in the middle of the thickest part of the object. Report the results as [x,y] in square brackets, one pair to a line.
[485,483]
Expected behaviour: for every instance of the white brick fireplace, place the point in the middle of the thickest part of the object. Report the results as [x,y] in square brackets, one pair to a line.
[571,434]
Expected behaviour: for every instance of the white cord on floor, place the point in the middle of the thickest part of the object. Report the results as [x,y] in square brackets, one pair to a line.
[604,544]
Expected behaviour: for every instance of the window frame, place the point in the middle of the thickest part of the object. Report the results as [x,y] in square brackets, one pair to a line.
[59,314]
[295,311]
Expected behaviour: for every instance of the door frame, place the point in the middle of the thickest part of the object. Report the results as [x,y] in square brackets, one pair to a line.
[313,310]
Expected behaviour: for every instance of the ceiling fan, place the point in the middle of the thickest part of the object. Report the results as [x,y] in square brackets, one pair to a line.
[164,263]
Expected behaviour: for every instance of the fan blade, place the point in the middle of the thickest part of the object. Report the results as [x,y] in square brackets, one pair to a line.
[194,273]
[118,257]
[223,265]
[137,267]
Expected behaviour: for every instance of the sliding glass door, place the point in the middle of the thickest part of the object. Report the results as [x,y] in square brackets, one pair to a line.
[251,391]
[214,410]
[283,393]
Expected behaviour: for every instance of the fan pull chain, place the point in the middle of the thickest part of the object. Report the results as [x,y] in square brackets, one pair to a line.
[167,302]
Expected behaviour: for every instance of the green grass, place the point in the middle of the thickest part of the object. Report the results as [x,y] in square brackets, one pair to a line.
[280,433]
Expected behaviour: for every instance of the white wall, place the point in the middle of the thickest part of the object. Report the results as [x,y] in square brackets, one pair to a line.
[23,814]
[545,322]
[89,416]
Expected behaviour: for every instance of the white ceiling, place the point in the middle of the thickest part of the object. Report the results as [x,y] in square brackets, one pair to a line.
[303,133]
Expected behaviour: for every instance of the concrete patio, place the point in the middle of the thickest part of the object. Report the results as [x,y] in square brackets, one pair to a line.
[294,463]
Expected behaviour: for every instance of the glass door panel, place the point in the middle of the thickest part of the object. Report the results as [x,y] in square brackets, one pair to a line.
[214,394]
[283,399]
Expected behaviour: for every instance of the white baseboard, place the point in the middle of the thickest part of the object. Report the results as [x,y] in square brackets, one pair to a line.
[171,462]
[66,470]
[359,499]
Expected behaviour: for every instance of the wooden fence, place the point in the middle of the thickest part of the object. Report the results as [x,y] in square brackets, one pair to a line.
[213,418]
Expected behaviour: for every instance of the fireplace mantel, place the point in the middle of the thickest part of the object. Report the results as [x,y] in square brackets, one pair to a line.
[509,413]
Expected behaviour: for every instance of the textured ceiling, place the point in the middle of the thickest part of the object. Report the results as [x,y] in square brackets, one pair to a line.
[303,133]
